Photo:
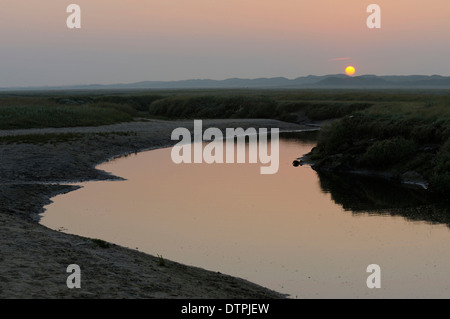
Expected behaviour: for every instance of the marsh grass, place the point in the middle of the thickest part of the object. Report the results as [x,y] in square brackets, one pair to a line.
[207,106]
[18,117]
[19,112]
[55,138]
[161,261]
[400,137]
[96,108]
[101,243]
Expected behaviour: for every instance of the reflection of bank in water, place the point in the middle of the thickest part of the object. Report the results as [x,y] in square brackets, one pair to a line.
[360,194]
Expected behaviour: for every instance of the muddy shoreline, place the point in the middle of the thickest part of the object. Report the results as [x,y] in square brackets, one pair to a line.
[33,258]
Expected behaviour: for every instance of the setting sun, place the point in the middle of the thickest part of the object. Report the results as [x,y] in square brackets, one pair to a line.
[350,70]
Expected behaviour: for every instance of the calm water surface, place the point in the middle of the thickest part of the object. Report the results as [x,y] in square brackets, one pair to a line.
[294,232]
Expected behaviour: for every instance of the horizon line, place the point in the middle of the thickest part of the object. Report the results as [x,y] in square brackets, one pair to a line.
[48,86]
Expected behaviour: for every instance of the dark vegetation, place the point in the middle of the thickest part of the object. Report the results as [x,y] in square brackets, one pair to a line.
[101,243]
[55,138]
[70,111]
[35,110]
[252,106]
[401,140]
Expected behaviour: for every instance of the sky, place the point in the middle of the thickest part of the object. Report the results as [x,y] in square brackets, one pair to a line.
[124,41]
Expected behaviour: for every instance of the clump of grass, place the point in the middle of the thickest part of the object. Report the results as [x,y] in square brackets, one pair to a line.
[101,243]
[161,261]
[387,152]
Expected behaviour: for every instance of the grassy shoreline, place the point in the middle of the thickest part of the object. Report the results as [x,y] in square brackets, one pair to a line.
[409,147]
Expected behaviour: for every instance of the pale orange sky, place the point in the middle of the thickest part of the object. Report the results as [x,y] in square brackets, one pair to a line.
[135,40]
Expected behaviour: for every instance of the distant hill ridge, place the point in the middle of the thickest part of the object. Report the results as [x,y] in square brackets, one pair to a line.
[310,81]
